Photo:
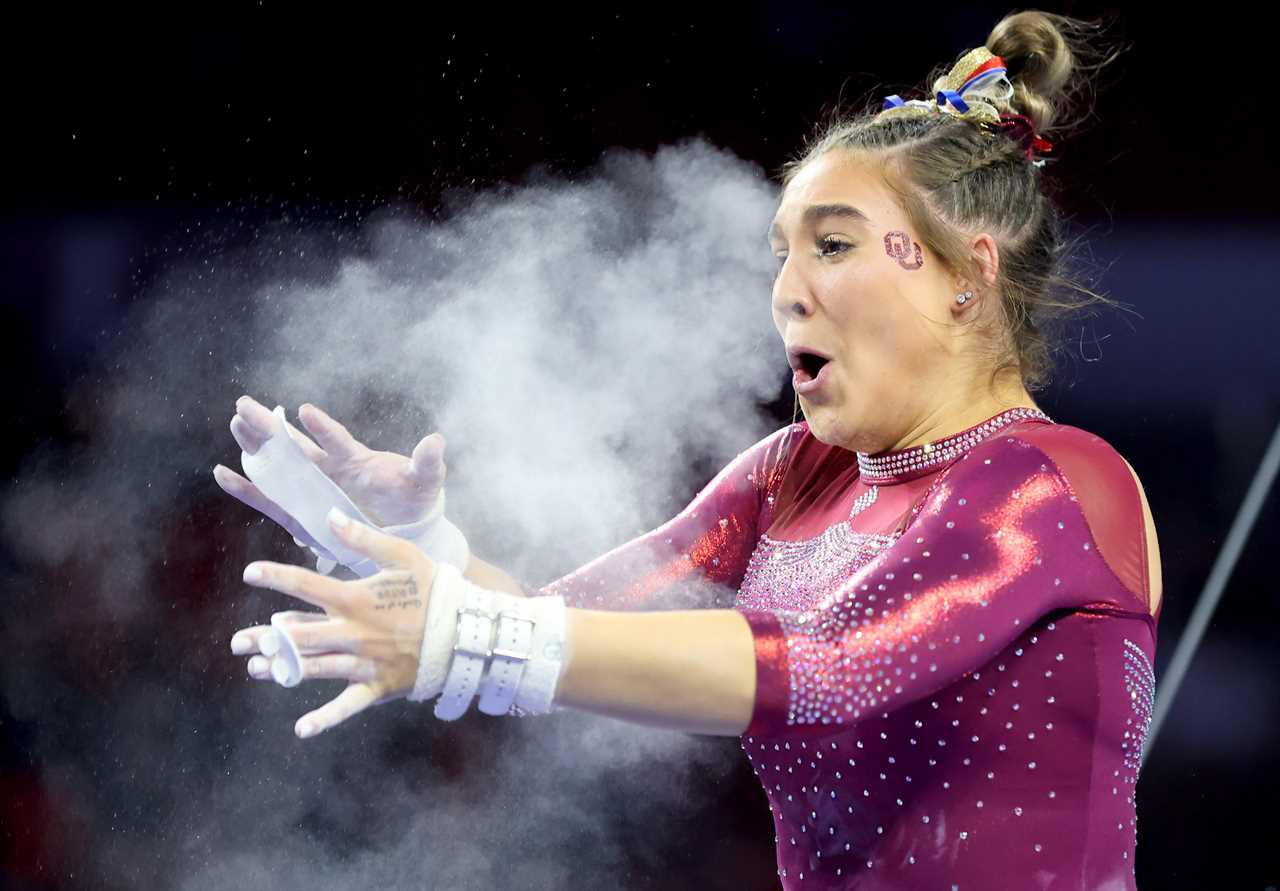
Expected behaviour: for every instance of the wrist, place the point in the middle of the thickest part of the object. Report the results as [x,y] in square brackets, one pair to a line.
[419,526]
[507,650]
[435,536]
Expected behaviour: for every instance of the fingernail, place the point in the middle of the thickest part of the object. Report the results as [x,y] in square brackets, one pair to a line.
[305,729]
[338,518]
[252,573]
[240,644]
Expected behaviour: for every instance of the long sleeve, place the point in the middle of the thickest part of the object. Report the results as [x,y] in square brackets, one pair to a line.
[999,541]
[701,551]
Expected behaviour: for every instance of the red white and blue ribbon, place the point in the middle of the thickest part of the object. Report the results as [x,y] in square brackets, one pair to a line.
[989,85]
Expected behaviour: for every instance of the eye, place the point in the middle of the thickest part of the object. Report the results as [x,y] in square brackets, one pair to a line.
[834,244]
[828,247]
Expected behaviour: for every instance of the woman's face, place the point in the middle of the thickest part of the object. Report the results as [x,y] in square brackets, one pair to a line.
[856,287]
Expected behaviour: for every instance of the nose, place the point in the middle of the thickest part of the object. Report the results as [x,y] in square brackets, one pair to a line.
[791,296]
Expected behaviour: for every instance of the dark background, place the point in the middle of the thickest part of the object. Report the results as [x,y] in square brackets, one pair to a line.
[137,138]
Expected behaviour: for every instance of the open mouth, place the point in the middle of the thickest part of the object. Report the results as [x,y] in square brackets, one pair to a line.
[811,364]
[810,370]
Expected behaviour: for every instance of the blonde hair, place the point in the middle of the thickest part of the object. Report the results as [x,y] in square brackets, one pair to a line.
[953,181]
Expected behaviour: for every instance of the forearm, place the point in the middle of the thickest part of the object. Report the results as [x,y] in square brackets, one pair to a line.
[489,576]
[688,670]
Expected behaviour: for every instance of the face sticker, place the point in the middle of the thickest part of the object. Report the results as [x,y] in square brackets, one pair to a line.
[900,246]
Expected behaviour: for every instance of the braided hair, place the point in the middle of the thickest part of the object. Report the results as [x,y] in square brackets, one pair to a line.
[957,175]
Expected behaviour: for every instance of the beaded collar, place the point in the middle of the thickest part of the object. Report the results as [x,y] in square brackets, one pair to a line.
[887,468]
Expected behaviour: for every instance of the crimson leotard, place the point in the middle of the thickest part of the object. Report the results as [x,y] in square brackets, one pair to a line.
[953,650]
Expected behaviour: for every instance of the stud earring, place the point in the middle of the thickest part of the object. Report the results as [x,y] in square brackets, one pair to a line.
[961,298]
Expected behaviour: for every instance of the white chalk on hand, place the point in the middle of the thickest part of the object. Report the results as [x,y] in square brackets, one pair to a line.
[284,474]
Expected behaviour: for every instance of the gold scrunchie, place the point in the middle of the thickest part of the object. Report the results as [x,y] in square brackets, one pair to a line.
[978,83]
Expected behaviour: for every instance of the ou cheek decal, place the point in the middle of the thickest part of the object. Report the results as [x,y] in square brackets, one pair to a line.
[900,246]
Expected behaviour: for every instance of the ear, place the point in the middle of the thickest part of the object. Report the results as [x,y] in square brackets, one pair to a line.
[987,254]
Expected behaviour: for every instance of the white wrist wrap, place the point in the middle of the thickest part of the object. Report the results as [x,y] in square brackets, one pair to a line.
[448,590]
[283,472]
[509,649]
[550,653]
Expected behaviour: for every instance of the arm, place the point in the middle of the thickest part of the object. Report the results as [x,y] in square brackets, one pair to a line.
[712,537]
[992,548]
[687,670]
[618,665]
[486,575]
[707,543]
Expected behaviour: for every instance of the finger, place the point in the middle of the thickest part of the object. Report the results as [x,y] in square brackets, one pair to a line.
[388,551]
[262,422]
[246,640]
[249,439]
[238,487]
[332,436]
[260,668]
[356,698]
[426,465]
[260,419]
[339,665]
[293,617]
[324,636]
[316,589]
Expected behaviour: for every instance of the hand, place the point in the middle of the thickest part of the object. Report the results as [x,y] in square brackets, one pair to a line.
[373,630]
[389,488]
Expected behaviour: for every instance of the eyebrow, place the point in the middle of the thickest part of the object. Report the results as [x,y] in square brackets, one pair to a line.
[815,212]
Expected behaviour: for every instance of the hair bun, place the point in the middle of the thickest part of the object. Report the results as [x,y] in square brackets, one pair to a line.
[1015,64]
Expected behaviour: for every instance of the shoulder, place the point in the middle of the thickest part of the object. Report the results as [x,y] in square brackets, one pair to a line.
[779,443]
[777,447]
[1067,442]
[1081,457]
[1103,484]
[1097,473]
[763,460]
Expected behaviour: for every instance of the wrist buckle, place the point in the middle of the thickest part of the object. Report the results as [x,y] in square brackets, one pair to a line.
[518,616]
[460,647]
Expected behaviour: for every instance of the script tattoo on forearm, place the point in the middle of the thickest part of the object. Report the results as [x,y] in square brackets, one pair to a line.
[397,593]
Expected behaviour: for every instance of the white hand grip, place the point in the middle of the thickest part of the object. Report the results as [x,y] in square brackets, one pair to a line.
[284,473]
[279,646]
